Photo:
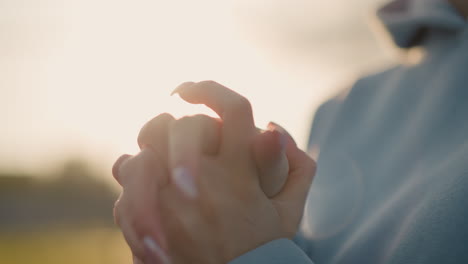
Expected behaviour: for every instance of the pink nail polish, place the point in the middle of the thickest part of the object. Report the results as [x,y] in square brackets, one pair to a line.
[178,88]
[184,180]
[156,253]
[275,127]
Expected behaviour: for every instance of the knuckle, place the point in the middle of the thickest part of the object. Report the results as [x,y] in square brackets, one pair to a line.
[199,118]
[184,120]
[146,159]
[117,165]
[209,83]
[204,123]
[125,168]
[142,140]
[181,123]
[142,161]
[241,105]
[199,122]
[242,102]
[151,128]
[145,156]
[164,117]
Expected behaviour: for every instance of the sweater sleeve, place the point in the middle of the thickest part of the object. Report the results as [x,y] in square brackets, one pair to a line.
[280,251]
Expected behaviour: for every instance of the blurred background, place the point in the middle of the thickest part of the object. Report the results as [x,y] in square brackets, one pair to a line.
[78,78]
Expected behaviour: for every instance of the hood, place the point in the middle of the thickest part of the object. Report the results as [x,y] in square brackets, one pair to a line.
[409,21]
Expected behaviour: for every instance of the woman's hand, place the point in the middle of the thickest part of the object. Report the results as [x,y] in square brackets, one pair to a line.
[137,212]
[224,211]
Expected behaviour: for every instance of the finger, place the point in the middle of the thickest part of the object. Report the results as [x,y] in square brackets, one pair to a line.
[292,197]
[205,129]
[234,109]
[153,252]
[116,167]
[189,138]
[136,260]
[301,172]
[139,203]
[121,214]
[273,126]
[145,254]
[154,134]
[132,239]
[272,163]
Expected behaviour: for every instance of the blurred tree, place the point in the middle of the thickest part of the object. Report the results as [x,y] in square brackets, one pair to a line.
[75,196]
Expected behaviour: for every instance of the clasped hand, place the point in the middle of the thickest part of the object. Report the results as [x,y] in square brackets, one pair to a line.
[205,190]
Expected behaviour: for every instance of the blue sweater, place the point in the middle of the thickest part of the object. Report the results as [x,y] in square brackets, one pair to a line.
[392,179]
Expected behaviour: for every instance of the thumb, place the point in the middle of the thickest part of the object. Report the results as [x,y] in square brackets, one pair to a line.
[272,164]
[291,200]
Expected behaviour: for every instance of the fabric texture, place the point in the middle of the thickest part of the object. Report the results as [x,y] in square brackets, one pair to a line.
[280,251]
[392,179]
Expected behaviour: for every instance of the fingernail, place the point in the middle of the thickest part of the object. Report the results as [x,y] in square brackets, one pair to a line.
[184,181]
[279,137]
[178,88]
[156,252]
[275,127]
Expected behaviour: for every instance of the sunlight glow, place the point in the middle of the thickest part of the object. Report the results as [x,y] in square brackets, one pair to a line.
[82,77]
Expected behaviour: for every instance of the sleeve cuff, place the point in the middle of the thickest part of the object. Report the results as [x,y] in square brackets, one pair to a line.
[280,251]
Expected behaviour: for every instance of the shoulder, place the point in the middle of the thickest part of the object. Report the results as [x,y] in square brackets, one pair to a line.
[348,103]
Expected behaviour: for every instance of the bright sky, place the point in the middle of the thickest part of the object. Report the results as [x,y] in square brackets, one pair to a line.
[81,77]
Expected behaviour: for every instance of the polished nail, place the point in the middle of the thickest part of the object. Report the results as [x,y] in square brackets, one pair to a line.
[276,127]
[184,180]
[156,252]
[273,126]
[181,86]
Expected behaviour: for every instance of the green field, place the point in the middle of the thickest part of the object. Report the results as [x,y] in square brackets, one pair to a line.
[64,245]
